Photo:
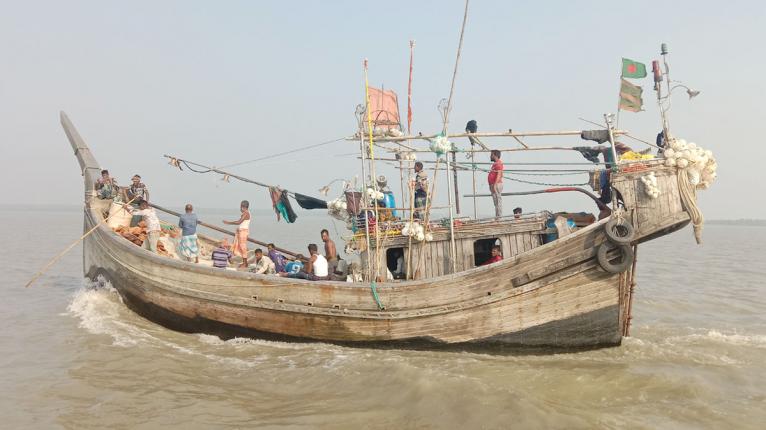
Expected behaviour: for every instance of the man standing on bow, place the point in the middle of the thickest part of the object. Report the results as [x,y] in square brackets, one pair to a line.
[495,179]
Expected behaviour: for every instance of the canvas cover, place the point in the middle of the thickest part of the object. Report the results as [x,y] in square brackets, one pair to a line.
[384,105]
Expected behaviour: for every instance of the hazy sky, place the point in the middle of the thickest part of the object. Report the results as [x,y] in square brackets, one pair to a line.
[221,82]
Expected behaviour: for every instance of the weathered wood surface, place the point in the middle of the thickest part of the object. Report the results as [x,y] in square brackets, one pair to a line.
[553,294]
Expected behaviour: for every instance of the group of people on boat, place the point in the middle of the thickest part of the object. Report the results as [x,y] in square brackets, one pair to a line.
[329,266]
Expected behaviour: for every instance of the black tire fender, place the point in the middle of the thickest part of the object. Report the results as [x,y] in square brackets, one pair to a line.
[615,265]
[619,232]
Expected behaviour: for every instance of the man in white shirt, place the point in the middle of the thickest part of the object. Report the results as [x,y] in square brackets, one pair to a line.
[152,224]
[263,264]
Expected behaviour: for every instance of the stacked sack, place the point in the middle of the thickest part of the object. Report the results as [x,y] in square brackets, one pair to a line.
[700,165]
[417,232]
[650,185]
[337,209]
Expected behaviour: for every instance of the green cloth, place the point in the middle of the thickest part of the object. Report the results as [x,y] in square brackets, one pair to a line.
[633,69]
[283,211]
[630,97]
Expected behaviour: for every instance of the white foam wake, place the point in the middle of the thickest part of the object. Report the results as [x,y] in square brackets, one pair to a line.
[100,310]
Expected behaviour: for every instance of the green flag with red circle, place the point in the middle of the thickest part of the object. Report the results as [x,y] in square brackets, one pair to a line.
[633,69]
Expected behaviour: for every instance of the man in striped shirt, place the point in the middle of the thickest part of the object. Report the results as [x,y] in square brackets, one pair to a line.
[221,256]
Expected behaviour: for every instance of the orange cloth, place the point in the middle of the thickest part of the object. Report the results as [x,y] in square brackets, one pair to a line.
[239,247]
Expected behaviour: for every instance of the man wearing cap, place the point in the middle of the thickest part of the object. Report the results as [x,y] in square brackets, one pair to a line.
[136,192]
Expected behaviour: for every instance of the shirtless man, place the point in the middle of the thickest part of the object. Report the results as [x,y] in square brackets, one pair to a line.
[330,252]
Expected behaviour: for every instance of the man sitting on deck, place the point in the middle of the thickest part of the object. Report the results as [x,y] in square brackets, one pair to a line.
[278,259]
[221,255]
[263,264]
[189,246]
[315,269]
[135,193]
[152,224]
[496,255]
[106,186]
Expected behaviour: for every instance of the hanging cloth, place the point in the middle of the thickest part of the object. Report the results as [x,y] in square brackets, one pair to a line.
[590,154]
[274,195]
[307,202]
[288,212]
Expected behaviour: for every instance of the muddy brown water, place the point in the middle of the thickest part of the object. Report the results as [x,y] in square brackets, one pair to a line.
[73,356]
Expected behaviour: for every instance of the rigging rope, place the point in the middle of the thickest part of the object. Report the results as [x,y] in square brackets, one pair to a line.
[185,163]
[375,295]
[505,175]
[279,154]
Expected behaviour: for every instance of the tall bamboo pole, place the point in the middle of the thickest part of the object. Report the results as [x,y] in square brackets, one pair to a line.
[373,176]
[409,90]
[453,249]
[69,248]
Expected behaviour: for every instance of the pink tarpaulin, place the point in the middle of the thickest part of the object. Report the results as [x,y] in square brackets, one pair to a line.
[384,105]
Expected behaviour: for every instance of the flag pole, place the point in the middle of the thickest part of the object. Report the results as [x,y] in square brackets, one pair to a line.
[409,91]
[619,100]
[665,125]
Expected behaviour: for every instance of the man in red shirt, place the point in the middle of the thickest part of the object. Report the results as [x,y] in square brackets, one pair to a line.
[496,255]
[495,179]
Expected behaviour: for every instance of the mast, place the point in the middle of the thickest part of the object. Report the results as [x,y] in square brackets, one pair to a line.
[409,90]
[453,250]
[665,125]
[360,112]
[373,176]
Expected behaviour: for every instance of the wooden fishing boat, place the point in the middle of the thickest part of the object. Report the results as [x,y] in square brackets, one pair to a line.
[575,291]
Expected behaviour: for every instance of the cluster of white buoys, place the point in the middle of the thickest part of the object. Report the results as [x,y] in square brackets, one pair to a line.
[374,195]
[337,208]
[700,165]
[407,155]
[440,145]
[383,132]
[417,232]
[650,185]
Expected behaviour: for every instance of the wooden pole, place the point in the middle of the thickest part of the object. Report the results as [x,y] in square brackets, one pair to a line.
[409,272]
[409,91]
[632,287]
[427,216]
[373,176]
[222,230]
[454,180]
[453,249]
[473,171]
[69,248]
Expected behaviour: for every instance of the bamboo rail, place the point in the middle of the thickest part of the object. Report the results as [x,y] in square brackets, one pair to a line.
[223,230]
[485,134]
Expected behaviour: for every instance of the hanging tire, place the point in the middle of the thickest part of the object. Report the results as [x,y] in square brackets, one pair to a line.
[620,233]
[618,264]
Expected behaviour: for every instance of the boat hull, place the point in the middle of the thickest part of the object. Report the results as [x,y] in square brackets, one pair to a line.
[555,295]
[573,306]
